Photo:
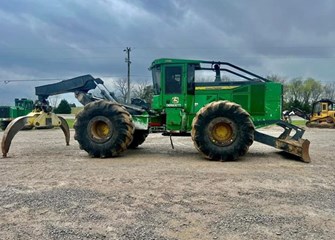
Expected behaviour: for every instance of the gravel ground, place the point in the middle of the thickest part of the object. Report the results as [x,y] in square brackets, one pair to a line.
[52,191]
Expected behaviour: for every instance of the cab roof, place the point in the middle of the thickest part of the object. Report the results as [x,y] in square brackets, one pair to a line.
[161,61]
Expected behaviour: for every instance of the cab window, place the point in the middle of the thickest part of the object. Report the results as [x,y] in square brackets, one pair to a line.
[173,78]
[324,107]
[156,76]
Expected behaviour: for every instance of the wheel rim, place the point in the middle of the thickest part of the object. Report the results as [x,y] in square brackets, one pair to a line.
[100,129]
[222,131]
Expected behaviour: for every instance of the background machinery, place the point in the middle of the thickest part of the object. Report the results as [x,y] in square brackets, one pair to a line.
[22,107]
[190,99]
[322,115]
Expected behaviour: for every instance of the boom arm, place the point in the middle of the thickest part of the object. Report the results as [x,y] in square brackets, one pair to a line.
[78,85]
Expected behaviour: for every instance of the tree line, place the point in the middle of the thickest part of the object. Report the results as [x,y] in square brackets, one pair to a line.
[301,93]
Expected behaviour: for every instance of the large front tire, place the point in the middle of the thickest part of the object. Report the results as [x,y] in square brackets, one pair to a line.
[222,131]
[103,129]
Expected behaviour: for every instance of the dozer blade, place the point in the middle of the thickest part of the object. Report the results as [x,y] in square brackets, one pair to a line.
[11,130]
[295,144]
[299,148]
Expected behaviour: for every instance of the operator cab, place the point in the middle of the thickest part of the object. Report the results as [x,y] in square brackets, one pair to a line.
[322,106]
[173,85]
[173,80]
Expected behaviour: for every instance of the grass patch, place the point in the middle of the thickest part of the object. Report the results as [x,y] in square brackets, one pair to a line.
[76,110]
[70,122]
[299,122]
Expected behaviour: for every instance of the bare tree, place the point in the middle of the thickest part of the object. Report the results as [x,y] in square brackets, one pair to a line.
[121,89]
[140,89]
[143,91]
[329,91]
[276,78]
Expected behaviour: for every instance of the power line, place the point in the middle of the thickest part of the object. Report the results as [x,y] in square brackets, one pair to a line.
[29,80]
[65,78]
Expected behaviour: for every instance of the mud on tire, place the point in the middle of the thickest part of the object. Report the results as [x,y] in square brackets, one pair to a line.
[103,129]
[222,131]
[139,137]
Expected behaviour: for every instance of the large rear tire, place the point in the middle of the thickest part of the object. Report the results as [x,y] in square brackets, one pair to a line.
[139,137]
[222,131]
[103,129]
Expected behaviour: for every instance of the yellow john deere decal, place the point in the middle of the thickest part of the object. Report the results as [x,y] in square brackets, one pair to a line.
[175,100]
[215,87]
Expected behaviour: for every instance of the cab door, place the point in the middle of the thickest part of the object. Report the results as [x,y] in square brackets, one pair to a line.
[173,85]
[173,97]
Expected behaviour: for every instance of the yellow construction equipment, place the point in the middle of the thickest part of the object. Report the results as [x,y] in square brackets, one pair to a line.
[40,117]
[322,115]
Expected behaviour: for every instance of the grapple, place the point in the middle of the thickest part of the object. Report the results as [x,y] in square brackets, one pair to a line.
[35,119]
[293,144]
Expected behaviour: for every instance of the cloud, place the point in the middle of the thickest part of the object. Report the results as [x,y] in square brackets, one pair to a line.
[63,39]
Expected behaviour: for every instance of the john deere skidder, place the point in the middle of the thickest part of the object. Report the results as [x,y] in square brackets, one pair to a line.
[191,98]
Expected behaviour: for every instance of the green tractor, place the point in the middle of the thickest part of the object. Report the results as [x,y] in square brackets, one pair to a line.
[22,107]
[191,98]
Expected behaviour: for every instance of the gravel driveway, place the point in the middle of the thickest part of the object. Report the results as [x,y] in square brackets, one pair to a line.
[52,191]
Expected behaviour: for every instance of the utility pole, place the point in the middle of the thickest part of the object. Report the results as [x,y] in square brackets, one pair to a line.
[128,50]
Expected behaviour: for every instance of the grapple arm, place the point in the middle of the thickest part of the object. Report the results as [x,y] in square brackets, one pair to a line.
[11,130]
[39,119]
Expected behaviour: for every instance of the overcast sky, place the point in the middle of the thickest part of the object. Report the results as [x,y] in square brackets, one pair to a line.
[59,39]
